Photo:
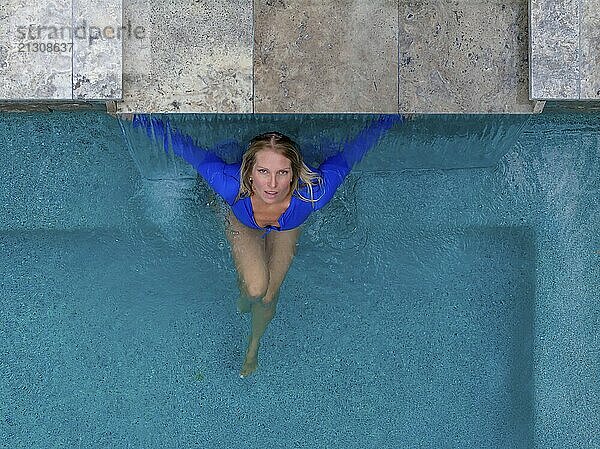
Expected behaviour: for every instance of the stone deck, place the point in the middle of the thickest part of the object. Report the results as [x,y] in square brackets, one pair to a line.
[274,56]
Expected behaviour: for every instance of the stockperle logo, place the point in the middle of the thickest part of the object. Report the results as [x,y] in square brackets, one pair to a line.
[89,33]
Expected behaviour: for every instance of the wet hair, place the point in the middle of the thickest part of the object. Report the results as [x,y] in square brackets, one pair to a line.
[302,176]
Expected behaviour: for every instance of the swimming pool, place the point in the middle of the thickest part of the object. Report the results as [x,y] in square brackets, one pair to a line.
[447,297]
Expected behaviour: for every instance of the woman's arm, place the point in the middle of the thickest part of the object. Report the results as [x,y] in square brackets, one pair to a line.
[355,149]
[335,168]
[181,144]
[222,177]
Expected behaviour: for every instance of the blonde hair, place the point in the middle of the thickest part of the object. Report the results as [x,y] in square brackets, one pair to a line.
[302,176]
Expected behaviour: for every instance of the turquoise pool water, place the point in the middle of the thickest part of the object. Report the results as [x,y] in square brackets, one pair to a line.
[447,297]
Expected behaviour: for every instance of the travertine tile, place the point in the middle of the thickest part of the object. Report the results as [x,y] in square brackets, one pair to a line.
[97,46]
[331,56]
[35,50]
[590,50]
[555,62]
[463,56]
[326,56]
[191,57]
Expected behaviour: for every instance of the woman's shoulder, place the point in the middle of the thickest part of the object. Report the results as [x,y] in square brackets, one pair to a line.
[232,169]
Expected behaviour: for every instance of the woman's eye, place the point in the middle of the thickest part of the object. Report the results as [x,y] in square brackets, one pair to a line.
[283,172]
[262,170]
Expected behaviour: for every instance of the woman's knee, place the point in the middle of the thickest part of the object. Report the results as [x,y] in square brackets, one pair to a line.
[256,289]
[270,299]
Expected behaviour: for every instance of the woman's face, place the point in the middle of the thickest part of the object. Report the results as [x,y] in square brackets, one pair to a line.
[271,176]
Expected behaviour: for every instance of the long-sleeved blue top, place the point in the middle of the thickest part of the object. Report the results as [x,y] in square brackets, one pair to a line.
[225,178]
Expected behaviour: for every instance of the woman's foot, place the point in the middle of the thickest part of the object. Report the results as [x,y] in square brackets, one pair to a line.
[251,360]
[249,366]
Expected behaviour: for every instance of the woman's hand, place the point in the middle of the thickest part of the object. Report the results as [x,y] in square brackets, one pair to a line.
[126,116]
[390,119]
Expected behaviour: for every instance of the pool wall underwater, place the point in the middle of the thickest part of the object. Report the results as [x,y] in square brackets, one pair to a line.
[443,299]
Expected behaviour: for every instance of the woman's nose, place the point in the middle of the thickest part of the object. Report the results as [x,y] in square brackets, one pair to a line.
[272,181]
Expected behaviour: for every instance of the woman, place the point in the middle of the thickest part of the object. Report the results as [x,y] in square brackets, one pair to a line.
[270,190]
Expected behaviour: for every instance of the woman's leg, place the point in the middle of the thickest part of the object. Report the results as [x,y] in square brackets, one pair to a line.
[280,251]
[248,250]
[250,257]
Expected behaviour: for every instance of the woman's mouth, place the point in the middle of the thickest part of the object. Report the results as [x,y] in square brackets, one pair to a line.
[270,194]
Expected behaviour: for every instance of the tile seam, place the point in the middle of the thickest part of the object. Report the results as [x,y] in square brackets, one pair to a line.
[398,57]
[579,50]
[253,43]
[121,58]
[530,49]
[72,49]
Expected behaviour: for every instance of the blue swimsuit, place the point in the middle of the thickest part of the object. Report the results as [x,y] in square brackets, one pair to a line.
[225,178]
